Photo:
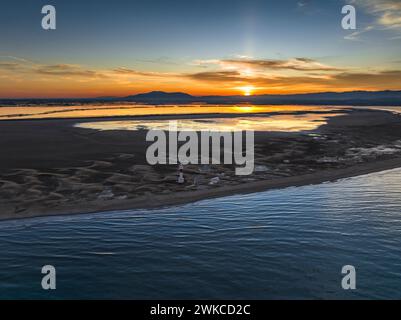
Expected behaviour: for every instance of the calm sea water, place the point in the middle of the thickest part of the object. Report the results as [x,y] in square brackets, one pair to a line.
[289,243]
[115,110]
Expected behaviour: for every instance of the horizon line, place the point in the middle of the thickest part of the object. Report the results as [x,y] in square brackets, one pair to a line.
[198,96]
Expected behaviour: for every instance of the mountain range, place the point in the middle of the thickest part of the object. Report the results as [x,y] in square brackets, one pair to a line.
[328,98]
[361,98]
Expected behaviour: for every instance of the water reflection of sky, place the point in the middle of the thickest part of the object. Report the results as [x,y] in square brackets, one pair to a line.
[93,111]
[124,110]
[279,244]
[287,123]
[391,109]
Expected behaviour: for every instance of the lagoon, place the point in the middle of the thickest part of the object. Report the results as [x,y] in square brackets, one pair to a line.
[280,244]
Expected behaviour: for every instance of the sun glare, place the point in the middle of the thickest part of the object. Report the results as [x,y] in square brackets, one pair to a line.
[247,90]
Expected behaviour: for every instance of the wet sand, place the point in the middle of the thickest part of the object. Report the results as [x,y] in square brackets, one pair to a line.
[50,167]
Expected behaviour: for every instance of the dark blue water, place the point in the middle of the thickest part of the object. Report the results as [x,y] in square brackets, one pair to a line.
[289,243]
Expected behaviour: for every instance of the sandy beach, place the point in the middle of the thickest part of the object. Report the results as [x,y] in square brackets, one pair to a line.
[51,167]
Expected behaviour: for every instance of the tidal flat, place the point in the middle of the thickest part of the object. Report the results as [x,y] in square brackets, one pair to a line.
[59,166]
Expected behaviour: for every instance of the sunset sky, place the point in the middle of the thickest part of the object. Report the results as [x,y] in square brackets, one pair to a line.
[118,48]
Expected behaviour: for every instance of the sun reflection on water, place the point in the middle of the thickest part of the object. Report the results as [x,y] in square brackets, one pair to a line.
[285,123]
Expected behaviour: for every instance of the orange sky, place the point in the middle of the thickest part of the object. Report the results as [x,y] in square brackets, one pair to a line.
[21,79]
[225,47]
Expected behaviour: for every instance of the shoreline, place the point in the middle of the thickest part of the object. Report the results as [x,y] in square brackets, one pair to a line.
[54,168]
[176,116]
[186,197]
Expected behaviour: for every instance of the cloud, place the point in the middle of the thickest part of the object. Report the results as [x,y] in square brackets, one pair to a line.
[388,79]
[9,65]
[297,64]
[67,70]
[294,75]
[217,76]
[355,36]
[132,72]
[22,66]
[370,78]
[19,66]
[14,63]
[160,60]
[387,12]
[310,75]
[19,59]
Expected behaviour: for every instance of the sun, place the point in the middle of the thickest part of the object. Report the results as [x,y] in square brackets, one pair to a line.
[247,90]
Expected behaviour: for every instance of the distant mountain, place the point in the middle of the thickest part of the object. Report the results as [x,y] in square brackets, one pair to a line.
[156,97]
[391,98]
[361,98]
